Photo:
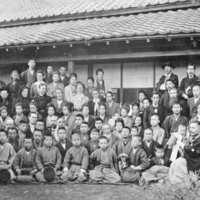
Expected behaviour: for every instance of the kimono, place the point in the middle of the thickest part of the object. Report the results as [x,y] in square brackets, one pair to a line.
[103,88]
[25,105]
[91,104]
[88,93]
[193,106]
[7,155]
[18,118]
[52,87]
[127,121]
[112,140]
[63,150]
[69,92]
[28,78]
[149,150]
[37,146]
[4,121]
[17,144]
[180,168]
[26,163]
[13,88]
[91,146]
[187,82]
[59,108]
[76,159]
[105,118]
[42,102]
[159,170]
[158,134]
[7,103]
[45,157]
[90,122]
[104,166]
[170,125]
[85,137]
[137,158]
[112,109]
[121,147]
[70,122]
[48,79]
[64,80]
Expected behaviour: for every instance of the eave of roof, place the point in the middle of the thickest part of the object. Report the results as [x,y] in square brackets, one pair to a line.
[18,14]
[151,25]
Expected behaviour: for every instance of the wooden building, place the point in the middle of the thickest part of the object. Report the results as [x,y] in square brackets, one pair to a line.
[129,39]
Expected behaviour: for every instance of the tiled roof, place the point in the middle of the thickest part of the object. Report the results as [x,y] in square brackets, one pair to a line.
[171,22]
[12,10]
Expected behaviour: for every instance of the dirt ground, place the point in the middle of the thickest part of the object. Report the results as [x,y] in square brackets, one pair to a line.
[72,192]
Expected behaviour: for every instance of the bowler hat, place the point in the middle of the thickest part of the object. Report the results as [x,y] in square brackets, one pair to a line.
[168,64]
[49,173]
[4,176]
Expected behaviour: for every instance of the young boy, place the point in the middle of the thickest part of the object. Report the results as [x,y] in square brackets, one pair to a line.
[84,128]
[92,145]
[134,131]
[106,128]
[124,144]
[76,161]
[23,127]
[13,139]
[78,121]
[148,144]
[37,139]
[119,124]
[98,124]
[124,114]
[138,162]
[47,156]
[24,162]
[158,132]
[19,114]
[64,144]
[7,154]
[103,162]
[159,167]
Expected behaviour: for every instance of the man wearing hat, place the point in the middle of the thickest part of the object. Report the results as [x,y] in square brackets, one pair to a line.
[187,83]
[168,67]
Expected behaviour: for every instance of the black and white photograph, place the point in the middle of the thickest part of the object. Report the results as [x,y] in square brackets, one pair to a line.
[100,99]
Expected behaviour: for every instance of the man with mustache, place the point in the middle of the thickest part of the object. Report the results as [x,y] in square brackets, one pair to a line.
[187,83]
[181,167]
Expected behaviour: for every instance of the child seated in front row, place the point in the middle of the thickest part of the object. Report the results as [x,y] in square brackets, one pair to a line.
[148,144]
[138,162]
[7,154]
[104,164]
[76,161]
[24,162]
[48,155]
[93,144]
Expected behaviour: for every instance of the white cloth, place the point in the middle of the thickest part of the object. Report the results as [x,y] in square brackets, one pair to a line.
[96,104]
[175,147]
[59,103]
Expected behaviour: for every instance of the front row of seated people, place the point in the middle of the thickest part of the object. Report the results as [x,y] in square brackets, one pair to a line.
[101,158]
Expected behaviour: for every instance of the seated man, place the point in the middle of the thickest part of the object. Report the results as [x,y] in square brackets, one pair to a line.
[103,161]
[180,168]
[47,156]
[24,162]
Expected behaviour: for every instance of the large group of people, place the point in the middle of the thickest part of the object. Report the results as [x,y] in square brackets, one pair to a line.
[53,129]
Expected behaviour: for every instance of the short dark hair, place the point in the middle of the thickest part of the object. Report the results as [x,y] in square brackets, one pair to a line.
[18,104]
[85,123]
[39,120]
[135,127]
[94,130]
[69,106]
[90,78]
[155,93]
[3,131]
[98,119]
[102,104]
[99,70]
[126,127]
[12,128]
[32,113]
[80,115]
[119,120]
[22,122]
[38,130]
[191,64]
[103,138]
[159,147]
[62,128]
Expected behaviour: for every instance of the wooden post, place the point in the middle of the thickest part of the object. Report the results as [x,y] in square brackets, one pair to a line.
[121,83]
[71,67]
[154,75]
[90,70]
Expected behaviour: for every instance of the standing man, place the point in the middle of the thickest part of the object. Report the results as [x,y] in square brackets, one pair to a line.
[29,76]
[63,78]
[15,84]
[52,87]
[161,86]
[48,79]
[101,84]
[187,83]
[193,102]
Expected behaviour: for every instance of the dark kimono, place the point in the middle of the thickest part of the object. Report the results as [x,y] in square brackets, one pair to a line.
[13,88]
[91,146]
[150,151]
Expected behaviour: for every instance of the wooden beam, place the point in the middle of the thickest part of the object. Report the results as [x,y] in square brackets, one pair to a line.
[71,67]
[121,56]
[154,76]
[121,83]
[90,70]
[84,15]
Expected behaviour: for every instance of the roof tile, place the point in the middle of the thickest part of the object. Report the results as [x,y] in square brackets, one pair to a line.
[171,22]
